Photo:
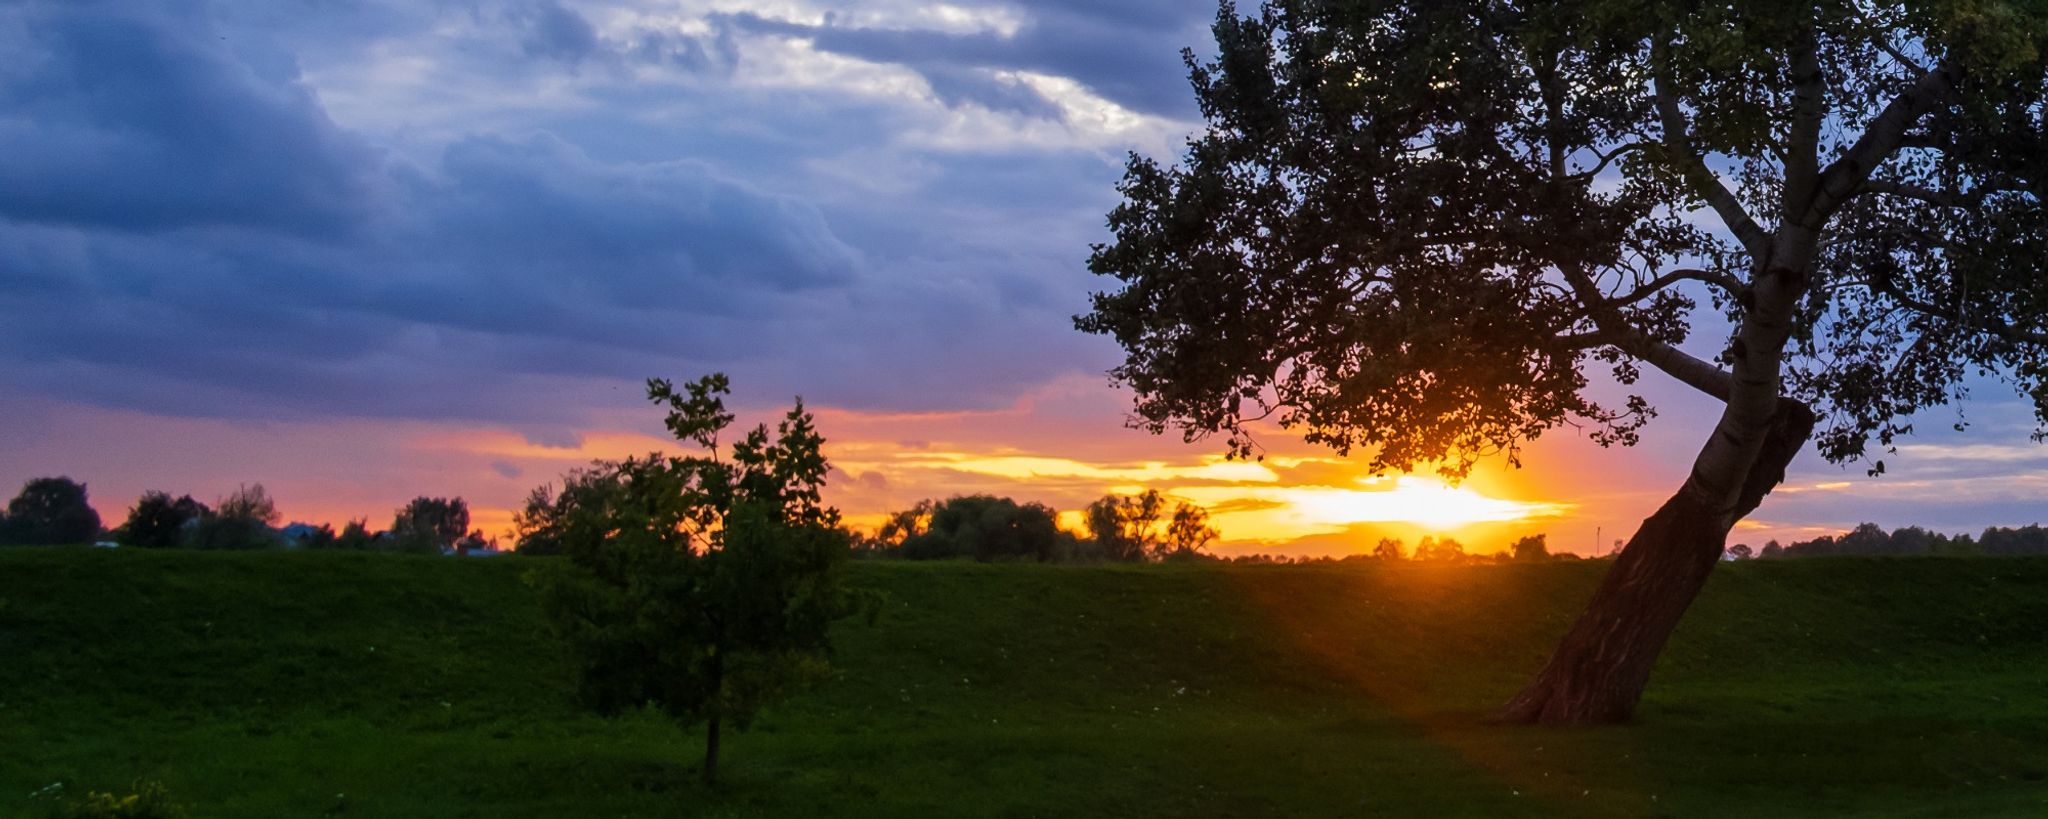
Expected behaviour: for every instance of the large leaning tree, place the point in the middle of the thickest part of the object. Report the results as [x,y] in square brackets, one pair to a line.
[1419,228]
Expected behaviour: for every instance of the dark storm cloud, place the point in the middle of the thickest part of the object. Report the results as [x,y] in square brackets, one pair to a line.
[133,117]
[1127,53]
[234,253]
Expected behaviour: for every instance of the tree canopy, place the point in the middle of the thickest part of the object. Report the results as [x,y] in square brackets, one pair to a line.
[50,511]
[430,525]
[1415,226]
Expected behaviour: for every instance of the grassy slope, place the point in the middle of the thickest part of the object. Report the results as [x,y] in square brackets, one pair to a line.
[268,685]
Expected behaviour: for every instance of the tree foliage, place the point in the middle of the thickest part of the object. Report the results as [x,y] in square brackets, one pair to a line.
[158,522]
[982,527]
[430,525]
[1188,533]
[1388,549]
[242,520]
[1124,526]
[703,584]
[50,511]
[1413,226]
[1530,548]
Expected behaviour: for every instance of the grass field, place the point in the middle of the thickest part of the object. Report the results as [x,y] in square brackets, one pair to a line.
[317,684]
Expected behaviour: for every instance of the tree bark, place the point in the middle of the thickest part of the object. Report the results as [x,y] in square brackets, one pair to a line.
[1599,670]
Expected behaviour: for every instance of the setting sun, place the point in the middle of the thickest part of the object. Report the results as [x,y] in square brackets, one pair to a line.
[1425,502]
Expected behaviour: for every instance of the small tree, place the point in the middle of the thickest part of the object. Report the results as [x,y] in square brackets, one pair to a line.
[430,525]
[1123,525]
[1447,550]
[355,535]
[1740,551]
[1388,549]
[702,585]
[242,520]
[158,522]
[1531,548]
[50,511]
[1188,533]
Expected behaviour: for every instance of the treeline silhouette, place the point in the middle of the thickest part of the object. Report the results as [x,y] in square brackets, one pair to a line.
[1872,539]
[58,511]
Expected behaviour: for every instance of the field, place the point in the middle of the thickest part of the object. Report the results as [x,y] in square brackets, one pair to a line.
[338,684]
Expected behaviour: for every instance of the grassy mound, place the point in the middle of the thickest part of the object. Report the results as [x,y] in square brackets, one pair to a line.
[311,684]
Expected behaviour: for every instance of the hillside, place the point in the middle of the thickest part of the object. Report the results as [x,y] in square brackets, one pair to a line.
[310,684]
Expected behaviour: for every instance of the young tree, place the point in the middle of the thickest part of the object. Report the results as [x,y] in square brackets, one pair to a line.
[242,520]
[1124,525]
[430,525]
[1188,533]
[1388,549]
[1531,548]
[50,511]
[158,522]
[1446,550]
[1415,226]
[355,535]
[702,584]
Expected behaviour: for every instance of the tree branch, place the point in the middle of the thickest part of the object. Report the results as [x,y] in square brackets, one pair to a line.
[1728,283]
[1678,144]
[1691,371]
[1612,329]
[1802,148]
[1845,176]
[1883,283]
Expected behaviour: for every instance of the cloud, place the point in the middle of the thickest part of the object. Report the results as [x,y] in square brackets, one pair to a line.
[134,117]
[1127,53]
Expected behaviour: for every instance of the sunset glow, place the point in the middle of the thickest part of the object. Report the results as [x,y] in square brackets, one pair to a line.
[1423,501]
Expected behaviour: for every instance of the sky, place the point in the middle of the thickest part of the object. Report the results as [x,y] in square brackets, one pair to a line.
[368,250]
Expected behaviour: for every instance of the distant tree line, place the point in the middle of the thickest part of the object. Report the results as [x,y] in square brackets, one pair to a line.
[1870,539]
[57,511]
[1118,528]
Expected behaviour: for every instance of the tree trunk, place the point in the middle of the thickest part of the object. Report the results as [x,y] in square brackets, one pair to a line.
[711,752]
[1598,672]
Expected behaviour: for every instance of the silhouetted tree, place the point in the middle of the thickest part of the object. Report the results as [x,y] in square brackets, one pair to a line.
[1388,549]
[1124,526]
[1446,550]
[1740,551]
[1188,533]
[430,525]
[1531,548]
[1772,550]
[983,527]
[50,511]
[703,584]
[242,520]
[908,523]
[1413,226]
[355,535]
[158,522]
[315,537]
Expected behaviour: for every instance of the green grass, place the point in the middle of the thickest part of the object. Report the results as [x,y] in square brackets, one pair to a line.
[316,684]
